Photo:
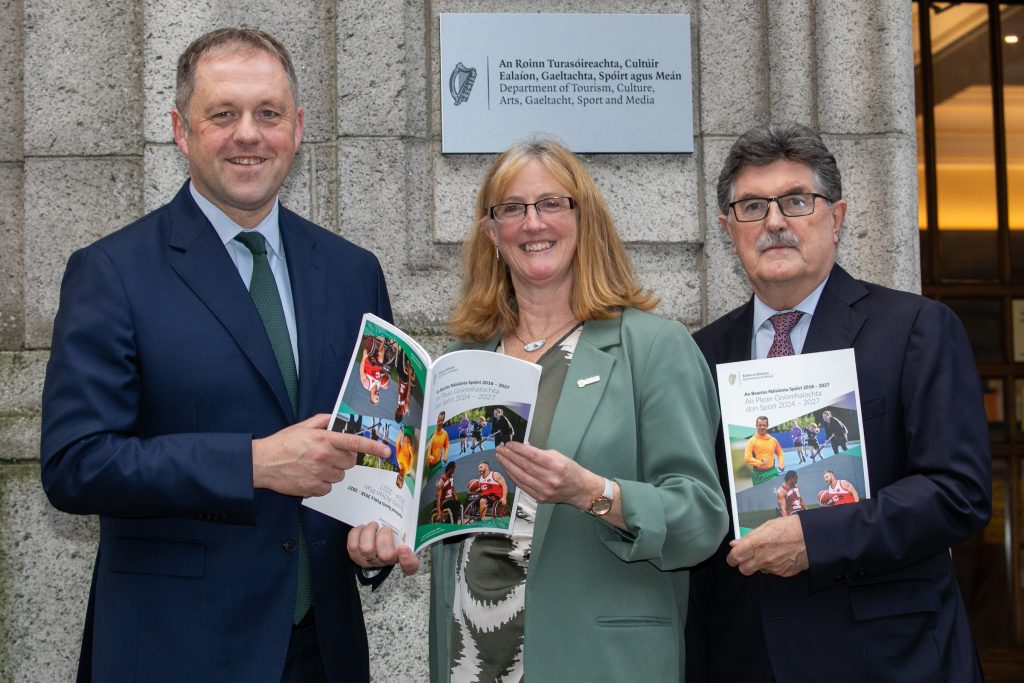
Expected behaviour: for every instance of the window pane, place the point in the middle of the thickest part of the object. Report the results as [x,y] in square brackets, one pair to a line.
[922,188]
[926,257]
[1018,400]
[1016,498]
[1012,42]
[965,147]
[994,398]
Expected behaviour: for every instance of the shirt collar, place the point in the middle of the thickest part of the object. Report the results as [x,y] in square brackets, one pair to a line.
[227,228]
[763,311]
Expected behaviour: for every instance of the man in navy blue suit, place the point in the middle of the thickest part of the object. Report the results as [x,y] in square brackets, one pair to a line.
[862,592]
[193,424]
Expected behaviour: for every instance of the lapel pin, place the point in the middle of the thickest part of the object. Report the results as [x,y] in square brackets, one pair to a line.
[587,381]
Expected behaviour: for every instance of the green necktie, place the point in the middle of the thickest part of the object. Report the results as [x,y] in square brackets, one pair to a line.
[263,290]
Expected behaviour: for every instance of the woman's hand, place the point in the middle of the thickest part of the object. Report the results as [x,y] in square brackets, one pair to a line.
[549,476]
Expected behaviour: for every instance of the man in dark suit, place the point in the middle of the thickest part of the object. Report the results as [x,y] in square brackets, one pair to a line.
[863,591]
[194,355]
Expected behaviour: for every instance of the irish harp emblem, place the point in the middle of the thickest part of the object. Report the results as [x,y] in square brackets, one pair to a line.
[460,83]
[732,378]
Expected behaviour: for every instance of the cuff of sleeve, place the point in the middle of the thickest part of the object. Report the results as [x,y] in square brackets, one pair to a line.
[372,577]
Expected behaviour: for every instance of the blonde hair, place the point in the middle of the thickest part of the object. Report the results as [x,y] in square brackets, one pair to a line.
[603,280]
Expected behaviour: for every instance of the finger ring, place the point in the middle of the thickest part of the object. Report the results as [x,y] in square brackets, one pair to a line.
[370,558]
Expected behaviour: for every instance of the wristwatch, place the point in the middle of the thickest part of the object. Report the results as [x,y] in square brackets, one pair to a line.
[603,503]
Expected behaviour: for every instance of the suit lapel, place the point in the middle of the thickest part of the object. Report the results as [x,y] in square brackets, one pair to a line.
[308,273]
[836,323]
[201,260]
[737,342]
[578,400]
[585,383]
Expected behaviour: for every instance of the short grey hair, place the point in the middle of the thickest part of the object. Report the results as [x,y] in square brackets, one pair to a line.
[767,143]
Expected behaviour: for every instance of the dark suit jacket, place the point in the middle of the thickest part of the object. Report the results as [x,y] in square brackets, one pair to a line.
[160,376]
[880,601]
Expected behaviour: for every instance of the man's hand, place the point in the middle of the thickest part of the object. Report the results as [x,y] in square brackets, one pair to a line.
[775,547]
[371,546]
[305,459]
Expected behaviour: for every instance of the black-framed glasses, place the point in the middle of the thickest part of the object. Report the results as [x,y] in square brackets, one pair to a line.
[516,211]
[791,205]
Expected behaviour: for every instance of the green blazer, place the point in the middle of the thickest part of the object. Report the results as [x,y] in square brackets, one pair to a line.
[601,604]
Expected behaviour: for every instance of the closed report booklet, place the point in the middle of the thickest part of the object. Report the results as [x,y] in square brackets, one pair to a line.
[794,437]
[441,420]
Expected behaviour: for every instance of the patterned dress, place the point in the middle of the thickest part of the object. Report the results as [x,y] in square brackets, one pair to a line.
[490,575]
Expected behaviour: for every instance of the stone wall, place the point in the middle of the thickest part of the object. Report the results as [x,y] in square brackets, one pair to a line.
[87,89]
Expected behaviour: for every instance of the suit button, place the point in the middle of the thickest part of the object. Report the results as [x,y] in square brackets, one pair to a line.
[290,545]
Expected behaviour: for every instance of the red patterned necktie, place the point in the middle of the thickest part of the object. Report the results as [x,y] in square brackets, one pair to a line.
[782,345]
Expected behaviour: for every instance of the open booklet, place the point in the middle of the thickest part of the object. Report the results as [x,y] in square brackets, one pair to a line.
[442,421]
[792,423]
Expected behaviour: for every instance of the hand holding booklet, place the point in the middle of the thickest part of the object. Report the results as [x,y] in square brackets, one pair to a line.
[442,420]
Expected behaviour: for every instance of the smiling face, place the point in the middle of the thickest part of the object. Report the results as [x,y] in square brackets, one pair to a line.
[762,426]
[539,249]
[243,133]
[785,258]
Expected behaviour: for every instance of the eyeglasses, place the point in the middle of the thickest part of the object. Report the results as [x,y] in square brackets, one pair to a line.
[791,205]
[510,212]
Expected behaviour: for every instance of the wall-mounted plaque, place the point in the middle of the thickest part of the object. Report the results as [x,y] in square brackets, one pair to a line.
[597,82]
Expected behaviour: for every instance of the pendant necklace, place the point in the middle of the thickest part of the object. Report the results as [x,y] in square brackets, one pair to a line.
[536,344]
[530,347]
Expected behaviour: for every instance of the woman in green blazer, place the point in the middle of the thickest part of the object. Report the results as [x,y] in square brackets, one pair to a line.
[618,484]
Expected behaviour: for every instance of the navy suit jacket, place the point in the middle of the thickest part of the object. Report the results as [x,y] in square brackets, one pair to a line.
[880,601]
[160,375]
